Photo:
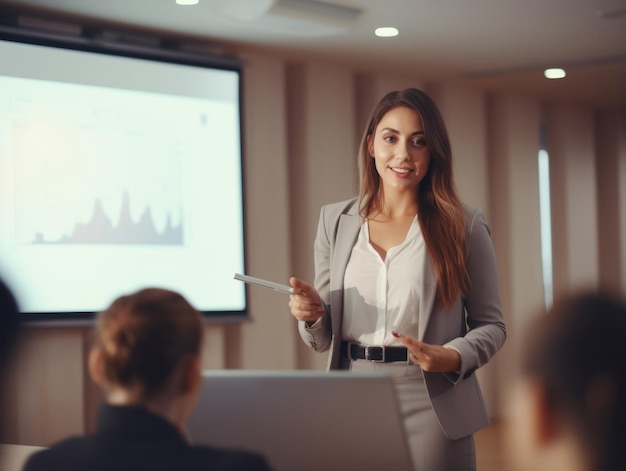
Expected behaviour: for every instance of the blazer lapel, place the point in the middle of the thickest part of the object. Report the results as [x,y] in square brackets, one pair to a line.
[347,233]
[427,300]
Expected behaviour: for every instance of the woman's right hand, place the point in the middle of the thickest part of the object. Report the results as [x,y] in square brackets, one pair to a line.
[307,304]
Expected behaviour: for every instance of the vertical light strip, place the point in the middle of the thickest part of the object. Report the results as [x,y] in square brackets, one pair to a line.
[546,225]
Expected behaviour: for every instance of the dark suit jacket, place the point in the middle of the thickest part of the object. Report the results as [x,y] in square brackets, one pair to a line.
[132,438]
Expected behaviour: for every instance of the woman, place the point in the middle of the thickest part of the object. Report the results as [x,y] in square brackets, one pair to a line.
[406,282]
[147,360]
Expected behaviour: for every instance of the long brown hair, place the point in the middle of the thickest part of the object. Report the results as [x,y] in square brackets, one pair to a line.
[145,336]
[440,211]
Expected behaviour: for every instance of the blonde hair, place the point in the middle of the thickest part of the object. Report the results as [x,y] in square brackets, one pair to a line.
[144,337]
[440,211]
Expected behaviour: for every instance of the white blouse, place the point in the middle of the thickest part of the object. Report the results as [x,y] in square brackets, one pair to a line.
[383,295]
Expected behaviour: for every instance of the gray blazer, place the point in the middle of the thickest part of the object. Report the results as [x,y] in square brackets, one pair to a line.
[473,325]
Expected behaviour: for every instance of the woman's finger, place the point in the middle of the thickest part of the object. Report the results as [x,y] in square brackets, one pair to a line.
[412,344]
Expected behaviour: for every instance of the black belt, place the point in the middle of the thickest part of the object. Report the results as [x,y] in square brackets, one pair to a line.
[383,354]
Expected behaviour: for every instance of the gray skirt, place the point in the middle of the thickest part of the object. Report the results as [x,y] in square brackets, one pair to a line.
[430,449]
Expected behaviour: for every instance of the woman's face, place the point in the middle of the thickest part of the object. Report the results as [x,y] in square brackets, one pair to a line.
[399,149]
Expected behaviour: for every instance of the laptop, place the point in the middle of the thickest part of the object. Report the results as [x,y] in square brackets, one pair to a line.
[304,420]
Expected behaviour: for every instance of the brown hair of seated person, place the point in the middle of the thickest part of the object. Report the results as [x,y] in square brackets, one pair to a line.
[9,325]
[147,353]
[571,401]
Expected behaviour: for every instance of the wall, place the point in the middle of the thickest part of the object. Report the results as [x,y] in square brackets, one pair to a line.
[302,124]
[574,197]
[610,148]
[513,124]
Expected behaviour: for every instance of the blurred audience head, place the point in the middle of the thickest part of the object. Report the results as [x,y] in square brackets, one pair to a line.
[9,324]
[570,403]
[147,352]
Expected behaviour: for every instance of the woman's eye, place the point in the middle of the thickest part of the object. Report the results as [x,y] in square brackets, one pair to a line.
[419,142]
[390,138]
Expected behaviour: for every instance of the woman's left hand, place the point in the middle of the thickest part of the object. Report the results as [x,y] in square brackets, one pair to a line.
[432,358]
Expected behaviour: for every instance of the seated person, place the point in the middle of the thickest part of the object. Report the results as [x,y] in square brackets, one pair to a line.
[570,403]
[9,326]
[147,360]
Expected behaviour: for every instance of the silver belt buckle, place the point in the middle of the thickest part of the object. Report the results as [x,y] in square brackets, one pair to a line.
[382,360]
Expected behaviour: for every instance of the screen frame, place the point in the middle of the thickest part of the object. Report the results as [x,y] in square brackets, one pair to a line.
[138,45]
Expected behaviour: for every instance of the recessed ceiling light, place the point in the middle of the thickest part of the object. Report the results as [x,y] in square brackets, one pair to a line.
[386,32]
[187,2]
[555,73]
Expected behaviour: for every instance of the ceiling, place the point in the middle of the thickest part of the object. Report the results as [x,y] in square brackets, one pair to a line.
[492,44]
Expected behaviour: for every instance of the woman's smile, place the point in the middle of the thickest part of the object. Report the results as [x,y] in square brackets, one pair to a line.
[401,172]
